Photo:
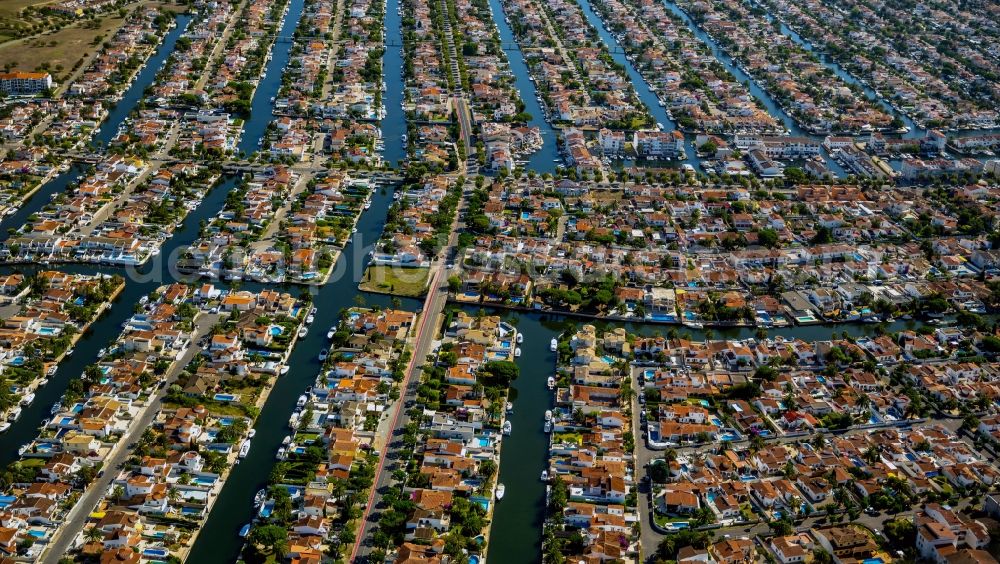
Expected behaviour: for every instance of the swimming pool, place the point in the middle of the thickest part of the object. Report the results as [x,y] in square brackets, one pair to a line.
[47,330]
[156,552]
[276,330]
[225,397]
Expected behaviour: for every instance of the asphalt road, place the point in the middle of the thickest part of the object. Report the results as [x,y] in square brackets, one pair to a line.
[76,518]
[430,320]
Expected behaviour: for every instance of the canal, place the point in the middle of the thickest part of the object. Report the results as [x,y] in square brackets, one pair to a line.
[516,534]
[646,94]
[140,281]
[109,128]
[135,92]
[545,159]
[518,520]
[262,106]
[394,123]
[772,107]
[218,540]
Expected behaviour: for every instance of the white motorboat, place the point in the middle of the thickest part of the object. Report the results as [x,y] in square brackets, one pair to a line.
[551,383]
[69,352]
[509,407]
[548,427]
[286,440]
[302,401]
[244,448]
[323,354]
[258,499]
[553,345]
[28,399]
[520,338]
[548,415]
[303,331]
[284,370]
[545,475]
[252,433]
[293,421]
[501,489]
[102,352]
[24,448]
[15,414]
[517,352]
[56,408]
[310,318]
[330,333]
[4,426]
[281,454]
[507,427]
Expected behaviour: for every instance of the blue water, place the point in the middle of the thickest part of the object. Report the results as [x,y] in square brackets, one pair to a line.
[394,124]
[109,129]
[254,127]
[772,107]
[546,158]
[638,82]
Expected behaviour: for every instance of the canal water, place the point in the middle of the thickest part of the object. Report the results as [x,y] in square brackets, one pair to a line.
[262,106]
[394,123]
[545,159]
[218,541]
[516,534]
[646,95]
[772,107]
[139,282]
[109,129]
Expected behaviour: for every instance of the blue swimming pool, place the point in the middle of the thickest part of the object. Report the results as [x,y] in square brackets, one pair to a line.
[156,552]
[276,330]
[225,397]
[47,331]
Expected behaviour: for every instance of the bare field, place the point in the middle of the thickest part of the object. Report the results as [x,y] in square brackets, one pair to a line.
[61,50]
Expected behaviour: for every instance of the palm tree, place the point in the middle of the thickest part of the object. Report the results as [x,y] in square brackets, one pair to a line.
[93,534]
